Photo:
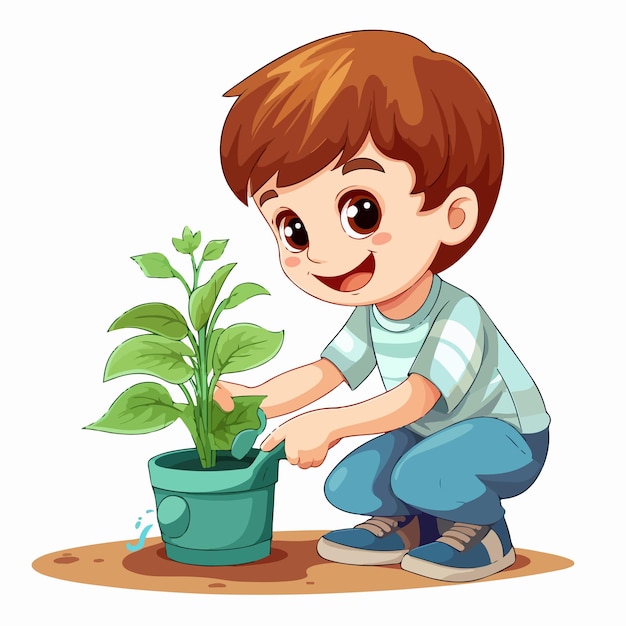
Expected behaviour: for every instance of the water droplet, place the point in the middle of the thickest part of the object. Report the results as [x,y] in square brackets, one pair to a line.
[142,536]
[142,540]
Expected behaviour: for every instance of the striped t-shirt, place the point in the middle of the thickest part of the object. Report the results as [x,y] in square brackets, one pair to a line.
[451,342]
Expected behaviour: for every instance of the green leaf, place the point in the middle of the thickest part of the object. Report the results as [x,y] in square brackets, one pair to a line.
[143,408]
[227,425]
[154,265]
[214,249]
[155,317]
[150,354]
[188,243]
[244,292]
[186,413]
[244,346]
[202,299]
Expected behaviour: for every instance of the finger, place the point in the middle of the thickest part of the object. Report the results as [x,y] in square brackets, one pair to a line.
[274,438]
[332,444]
[314,459]
[305,463]
[292,456]
[319,458]
[292,460]
[223,398]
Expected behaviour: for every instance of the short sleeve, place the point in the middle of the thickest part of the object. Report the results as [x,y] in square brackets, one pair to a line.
[351,350]
[452,353]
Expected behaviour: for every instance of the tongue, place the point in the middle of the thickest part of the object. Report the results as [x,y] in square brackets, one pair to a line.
[355,281]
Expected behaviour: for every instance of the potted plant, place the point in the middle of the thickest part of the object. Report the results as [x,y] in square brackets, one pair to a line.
[214,501]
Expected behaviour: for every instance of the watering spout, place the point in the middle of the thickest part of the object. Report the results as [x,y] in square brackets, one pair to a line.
[243,441]
[264,468]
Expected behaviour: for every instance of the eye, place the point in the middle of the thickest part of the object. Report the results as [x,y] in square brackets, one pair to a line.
[359,213]
[292,232]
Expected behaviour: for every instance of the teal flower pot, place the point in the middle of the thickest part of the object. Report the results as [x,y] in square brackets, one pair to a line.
[218,516]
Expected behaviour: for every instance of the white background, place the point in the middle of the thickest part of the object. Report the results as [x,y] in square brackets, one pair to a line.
[110,118]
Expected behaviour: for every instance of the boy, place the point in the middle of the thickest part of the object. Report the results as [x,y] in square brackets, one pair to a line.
[376,162]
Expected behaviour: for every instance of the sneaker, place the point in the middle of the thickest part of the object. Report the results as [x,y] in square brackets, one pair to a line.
[377,541]
[463,553]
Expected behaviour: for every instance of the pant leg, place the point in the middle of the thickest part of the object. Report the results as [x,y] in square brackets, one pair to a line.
[361,483]
[462,472]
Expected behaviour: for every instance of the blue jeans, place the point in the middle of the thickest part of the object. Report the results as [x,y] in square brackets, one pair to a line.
[460,473]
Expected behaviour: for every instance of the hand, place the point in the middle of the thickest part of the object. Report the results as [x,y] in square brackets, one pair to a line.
[307,438]
[224,393]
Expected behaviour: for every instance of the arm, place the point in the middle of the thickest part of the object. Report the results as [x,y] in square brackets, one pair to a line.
[309,436]
[286,392]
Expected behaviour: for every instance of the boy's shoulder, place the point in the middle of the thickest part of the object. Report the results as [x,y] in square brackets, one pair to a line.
[455,304]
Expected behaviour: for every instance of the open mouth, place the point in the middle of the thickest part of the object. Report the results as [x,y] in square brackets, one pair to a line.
[352,280]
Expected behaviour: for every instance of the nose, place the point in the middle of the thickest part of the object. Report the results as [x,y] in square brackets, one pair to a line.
[319,248]
[315,256]
[325,240]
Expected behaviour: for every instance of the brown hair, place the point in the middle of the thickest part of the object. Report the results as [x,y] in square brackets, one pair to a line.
[299,113]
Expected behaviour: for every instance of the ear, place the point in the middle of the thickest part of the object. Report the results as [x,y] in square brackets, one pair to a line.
[460,209]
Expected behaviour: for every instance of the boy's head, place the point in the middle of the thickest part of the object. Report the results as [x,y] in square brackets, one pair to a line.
[318,106]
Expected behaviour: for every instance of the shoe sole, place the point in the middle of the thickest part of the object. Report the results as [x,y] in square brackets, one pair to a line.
[337,553]
[455,574]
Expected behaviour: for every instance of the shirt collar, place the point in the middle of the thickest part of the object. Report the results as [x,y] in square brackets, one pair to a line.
[416,318]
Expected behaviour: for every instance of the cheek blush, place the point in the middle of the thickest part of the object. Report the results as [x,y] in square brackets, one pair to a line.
[381,238]
[291,261]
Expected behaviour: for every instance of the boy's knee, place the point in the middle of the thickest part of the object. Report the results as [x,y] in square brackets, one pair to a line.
[335,485]
[351,476]
[412,479]
[347,490]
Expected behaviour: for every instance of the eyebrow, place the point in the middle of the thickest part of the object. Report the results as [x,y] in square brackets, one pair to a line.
[361,164]
[268,195]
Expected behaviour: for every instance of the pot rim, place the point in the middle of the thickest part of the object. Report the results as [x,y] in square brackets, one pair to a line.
[260,472]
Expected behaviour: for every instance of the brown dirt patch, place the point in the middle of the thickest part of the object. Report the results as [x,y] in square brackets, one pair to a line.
[293,567]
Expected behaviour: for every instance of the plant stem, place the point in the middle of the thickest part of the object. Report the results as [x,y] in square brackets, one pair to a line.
[202,375]
[194,343]
[202,382]
[196,273]
[182,280]
[204,391]
[187,394]
[209,366]
[196,270]
[211,392]
[211,327]
[205,395]
[195,383]
[210,451]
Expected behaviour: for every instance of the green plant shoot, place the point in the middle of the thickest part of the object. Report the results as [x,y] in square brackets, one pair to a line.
[189,353]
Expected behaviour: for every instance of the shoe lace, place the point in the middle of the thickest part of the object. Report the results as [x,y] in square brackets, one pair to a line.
[380,525]
[462,536]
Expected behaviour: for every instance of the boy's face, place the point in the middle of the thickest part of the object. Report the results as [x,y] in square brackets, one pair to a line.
[353,235]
